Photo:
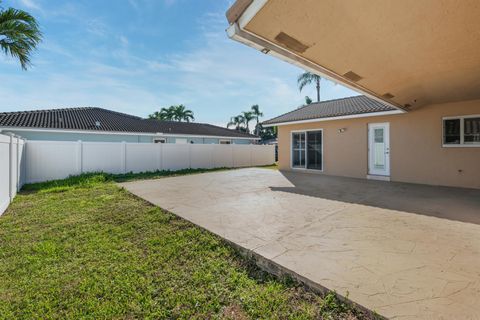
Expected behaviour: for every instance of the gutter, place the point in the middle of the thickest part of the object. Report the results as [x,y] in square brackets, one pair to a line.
[243,11]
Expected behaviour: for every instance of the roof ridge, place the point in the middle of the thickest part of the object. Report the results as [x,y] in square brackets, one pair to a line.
[70,109]
[312,104]
[49,110]
[336,107]
[344,98]
[119,113]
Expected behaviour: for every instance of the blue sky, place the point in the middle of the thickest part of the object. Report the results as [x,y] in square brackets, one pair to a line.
[136,56]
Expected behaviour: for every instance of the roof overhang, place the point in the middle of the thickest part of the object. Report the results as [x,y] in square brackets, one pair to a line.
[403,53]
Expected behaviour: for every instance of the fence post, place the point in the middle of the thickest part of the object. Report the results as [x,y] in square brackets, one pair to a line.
[159,156]
[251,154]
[79,157]
[18,164]
[10,169]
[189,155]
[124,157]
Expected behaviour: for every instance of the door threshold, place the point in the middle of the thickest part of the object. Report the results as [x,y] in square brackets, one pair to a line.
[377,177]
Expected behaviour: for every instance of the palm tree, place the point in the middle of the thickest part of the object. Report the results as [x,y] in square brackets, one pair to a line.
[165,114]
[19,34]
[247,117]
[308,100]
[255,110]
[307,78]
[237,122]
[173,113]
[181,113]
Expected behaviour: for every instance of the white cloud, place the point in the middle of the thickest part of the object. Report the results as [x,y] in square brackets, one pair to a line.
[214,76]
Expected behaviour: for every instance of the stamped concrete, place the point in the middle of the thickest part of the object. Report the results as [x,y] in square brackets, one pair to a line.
[405,251]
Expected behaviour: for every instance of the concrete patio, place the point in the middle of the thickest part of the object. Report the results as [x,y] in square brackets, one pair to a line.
[405,251]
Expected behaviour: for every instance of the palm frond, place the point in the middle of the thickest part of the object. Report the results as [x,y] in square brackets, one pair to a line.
[305,79]
[19,35]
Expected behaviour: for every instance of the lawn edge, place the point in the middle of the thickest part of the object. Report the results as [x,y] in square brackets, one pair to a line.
[276,270]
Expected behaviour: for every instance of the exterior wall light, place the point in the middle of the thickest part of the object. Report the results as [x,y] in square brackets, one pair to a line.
[342,130]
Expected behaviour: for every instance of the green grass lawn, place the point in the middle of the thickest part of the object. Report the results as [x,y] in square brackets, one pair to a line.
[84,248]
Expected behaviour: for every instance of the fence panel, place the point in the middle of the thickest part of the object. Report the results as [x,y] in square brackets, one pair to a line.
[4,172]
[223,155]
[201,156]
[262,155]
[175,156]
[142,157]
[11,169]
[47,160]
[103,156]
[242,156]
[50,160]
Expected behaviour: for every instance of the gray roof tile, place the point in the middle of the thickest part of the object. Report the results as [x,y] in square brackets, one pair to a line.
[107,120]
[332,108]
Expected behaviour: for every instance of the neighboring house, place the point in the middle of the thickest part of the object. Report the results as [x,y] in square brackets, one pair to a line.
[421,123]
[101,125]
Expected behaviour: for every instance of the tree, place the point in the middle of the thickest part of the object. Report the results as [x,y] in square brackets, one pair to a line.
[19,35]
[255,110]
[165,114]
[237,122]
[307,78]
[308,100]
[247,117]
[181,113]
[173,113]
[267,133]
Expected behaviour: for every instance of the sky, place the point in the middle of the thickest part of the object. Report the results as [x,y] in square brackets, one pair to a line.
[137,56]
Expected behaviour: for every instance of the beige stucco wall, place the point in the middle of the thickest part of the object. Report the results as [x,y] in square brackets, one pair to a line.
[416,152]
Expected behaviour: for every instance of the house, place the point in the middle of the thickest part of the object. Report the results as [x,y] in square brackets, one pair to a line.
[101,125]
[417,63]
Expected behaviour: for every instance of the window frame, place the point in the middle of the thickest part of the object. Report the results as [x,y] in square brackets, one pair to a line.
[159,140]
[462,143]
[306,150]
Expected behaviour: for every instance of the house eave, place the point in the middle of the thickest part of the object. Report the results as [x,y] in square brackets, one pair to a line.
[236,31]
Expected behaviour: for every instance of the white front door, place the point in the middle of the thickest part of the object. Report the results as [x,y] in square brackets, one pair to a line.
[379,149]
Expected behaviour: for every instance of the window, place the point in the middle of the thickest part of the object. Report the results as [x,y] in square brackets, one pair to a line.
[471,132]
[461,131]
[225,141]
[181,141]
[307,150]
[159,140]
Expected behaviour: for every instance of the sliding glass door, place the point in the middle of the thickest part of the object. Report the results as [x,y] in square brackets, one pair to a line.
[307,150]
[314,150]
[298,150]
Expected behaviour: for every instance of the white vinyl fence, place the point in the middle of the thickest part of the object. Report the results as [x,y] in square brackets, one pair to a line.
[50,160]
[11,168]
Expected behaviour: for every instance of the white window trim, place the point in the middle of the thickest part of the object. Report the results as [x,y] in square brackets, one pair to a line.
[462,132]
[291,153]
